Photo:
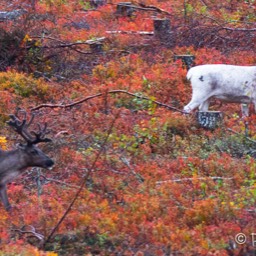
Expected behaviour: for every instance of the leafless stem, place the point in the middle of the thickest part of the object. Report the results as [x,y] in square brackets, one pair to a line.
[127,163]
[102,94]
[28,229]
[229,129]
[83,181]
[58,181]
[191,179]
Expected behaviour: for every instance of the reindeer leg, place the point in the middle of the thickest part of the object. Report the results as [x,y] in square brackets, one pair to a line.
[204,106]
[198,100]
[4,198]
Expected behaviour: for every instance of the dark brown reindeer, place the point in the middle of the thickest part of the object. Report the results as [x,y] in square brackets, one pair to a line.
[14,162]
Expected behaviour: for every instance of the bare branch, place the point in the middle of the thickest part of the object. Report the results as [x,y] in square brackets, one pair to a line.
[101,94]
[150,8]
[240,29]
[137,175]
[191,179]
[143,33]
[79,190]
[58,181]
[229,129]
[28,229]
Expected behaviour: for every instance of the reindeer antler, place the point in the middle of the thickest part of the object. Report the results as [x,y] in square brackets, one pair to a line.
[40,136]
[21,127]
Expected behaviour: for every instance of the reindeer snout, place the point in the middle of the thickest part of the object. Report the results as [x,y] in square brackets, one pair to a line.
[49,163]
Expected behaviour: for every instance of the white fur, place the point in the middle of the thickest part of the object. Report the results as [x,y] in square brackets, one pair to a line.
[225,82]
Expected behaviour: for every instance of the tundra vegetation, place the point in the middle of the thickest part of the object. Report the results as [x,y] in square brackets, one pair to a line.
[133,175]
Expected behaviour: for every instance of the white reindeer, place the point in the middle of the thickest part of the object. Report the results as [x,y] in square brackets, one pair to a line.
[236,84]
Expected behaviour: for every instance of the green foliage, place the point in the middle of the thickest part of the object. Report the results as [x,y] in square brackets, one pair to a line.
[22,85]
[189,8]
[136,104]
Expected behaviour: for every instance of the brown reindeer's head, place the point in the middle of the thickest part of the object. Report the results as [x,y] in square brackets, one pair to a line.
[30,154]
[14,162]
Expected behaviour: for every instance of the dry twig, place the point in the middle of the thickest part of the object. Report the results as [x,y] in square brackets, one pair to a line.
[102,94]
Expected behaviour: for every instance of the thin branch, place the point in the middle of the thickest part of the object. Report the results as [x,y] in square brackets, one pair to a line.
[101,94]
[191,179]
[57,181]
[150,8]
[66,105]
[144,7]
[50,38]
[127,163]
[222,23]
[28,229]
[64,44]
[84,180]
[143,33]
[204,3]
[254,141]
[240,29]
[69,45]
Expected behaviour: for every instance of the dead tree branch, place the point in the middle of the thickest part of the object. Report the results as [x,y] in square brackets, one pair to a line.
[85,179]
[57,181]
[143,7]
[246,137]
[102,94]
[30,230]
[193,179]
[141,33]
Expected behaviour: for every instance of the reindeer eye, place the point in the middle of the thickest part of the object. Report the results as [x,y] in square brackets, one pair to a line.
[34,152]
